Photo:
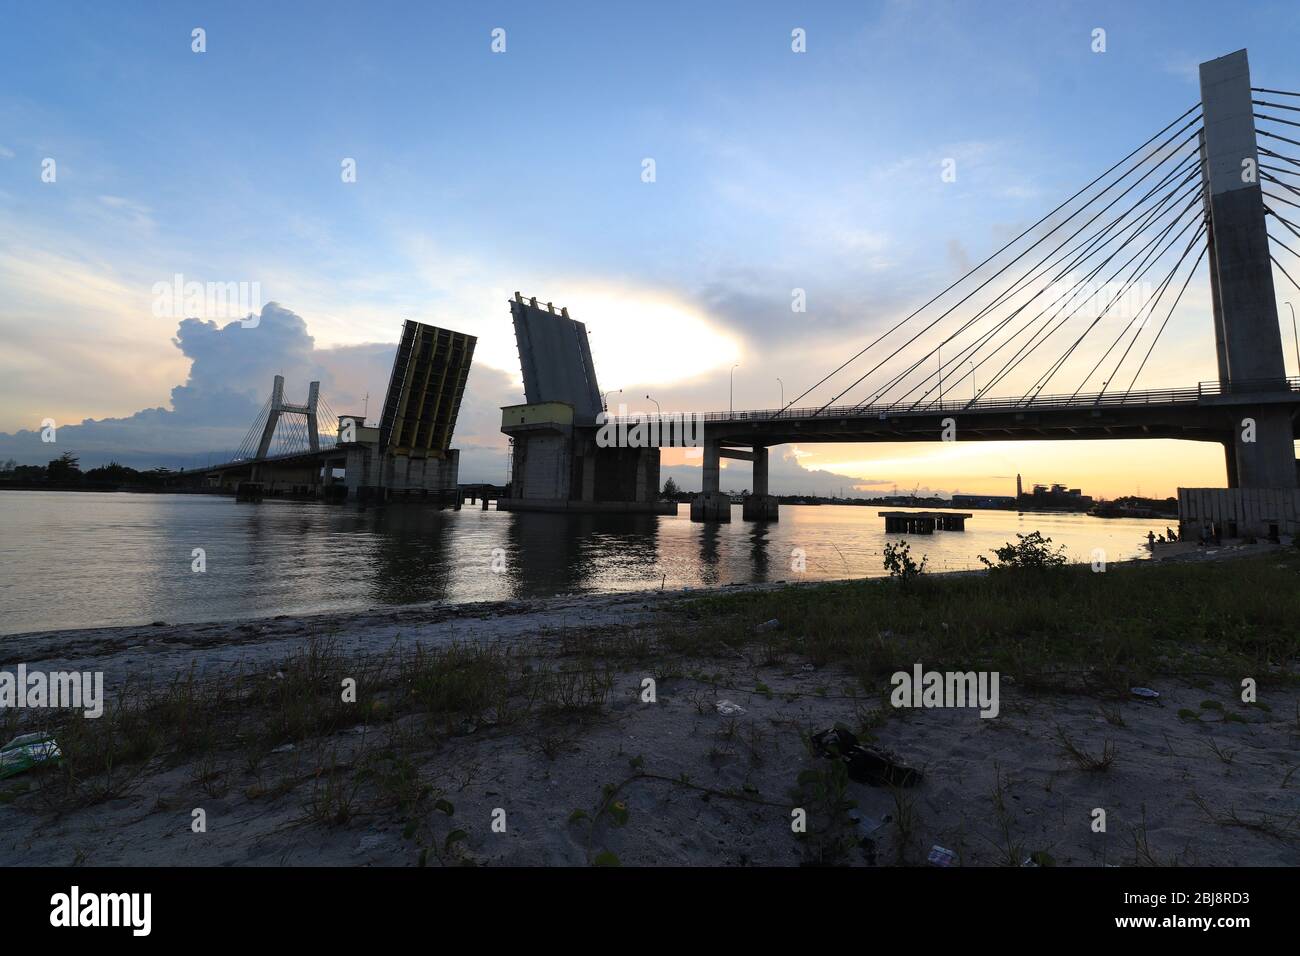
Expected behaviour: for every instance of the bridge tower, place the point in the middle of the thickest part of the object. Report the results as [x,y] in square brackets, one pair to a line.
[1247,338]
[279,407]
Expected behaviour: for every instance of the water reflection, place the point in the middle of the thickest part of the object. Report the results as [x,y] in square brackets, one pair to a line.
[411,552]
[710,547]
[758,551]
[83,560]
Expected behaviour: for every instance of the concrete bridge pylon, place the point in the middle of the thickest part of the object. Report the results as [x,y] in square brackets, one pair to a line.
[280,407]
[1248,340]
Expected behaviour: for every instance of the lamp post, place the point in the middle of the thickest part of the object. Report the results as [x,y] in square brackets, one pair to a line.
[604,399]
[974,392]
[782,384]
[731,396]
[658,411]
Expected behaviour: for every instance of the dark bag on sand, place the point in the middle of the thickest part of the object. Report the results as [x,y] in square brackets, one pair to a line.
[865,764]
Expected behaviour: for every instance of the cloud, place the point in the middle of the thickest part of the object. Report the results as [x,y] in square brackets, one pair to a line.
[230,377]
[129,211]
[785,475]
[231,367]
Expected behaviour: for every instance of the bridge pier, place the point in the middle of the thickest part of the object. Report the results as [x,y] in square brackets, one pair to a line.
[711,504]
[760,506]
[560,465]
[1268,459]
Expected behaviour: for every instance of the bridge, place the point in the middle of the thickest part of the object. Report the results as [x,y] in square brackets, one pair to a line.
[1084,296]
[407,453]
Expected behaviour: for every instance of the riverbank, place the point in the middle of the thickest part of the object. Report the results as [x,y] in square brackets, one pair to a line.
[524,733]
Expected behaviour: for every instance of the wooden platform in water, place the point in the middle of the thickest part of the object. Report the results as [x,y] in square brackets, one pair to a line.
[924,522]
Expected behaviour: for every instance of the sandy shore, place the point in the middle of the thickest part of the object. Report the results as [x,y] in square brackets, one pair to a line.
[1195,777]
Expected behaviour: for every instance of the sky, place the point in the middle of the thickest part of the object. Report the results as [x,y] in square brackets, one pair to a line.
[479,172]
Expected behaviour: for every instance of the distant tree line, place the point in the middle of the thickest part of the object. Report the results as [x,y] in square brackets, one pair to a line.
[65,472]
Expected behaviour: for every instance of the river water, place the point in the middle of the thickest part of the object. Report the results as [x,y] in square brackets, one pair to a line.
[70,560]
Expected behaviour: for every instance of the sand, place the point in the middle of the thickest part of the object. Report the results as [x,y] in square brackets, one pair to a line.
[694,787]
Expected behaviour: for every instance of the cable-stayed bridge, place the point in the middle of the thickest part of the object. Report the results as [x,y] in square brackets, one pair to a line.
[1049,337]
[1054,335]
[408,453]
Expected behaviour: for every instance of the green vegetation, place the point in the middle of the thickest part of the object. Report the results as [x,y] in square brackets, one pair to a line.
[1072,629]
[901,565]
[65,472]
[408,702]
[1030,552]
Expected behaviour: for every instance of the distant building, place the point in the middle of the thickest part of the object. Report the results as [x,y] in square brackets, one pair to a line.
[1007,502]
[1055,497]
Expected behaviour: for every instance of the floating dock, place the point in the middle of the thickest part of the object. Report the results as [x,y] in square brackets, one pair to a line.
[924,522]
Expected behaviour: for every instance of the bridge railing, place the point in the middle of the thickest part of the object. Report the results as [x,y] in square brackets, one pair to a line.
[1290,383]
[1164,396]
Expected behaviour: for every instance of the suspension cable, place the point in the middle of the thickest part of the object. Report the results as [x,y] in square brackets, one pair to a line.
[1002,249]
[1064,298]
[1037,242]
[1081,253]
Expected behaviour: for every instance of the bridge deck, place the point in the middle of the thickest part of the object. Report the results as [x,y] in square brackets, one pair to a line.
[1206,412]
[1203,394]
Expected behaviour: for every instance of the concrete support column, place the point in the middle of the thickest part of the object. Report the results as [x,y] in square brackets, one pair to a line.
[760,506]
[711,504]
[712,477]
[760,470]
[1269,460]
[1230,460]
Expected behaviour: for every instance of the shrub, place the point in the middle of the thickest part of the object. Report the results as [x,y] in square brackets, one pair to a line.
[1030,551]
[900,564]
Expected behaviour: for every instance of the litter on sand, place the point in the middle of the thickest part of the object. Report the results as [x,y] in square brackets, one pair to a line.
[867,829]
[865,764]
[727,709]
[27,751]
[868,826]
[941,857]
[1146,693]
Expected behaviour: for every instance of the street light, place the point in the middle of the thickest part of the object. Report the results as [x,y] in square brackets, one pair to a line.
[659,411]
[604,399]
[782,384]
[974,392]
[731,397]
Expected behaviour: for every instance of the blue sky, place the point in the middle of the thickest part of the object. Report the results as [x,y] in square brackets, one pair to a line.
[482,173]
